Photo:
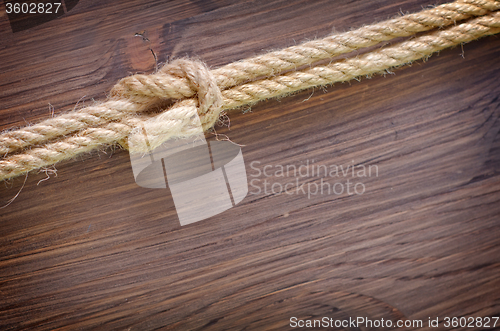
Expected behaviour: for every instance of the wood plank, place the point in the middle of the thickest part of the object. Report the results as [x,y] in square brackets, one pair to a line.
[90,249]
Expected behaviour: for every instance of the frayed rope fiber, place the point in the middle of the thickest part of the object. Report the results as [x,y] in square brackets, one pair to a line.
[197,89]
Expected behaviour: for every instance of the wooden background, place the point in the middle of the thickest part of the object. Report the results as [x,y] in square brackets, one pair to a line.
[90,249]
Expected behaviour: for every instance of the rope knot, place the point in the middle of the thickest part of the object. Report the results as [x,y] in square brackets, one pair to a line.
[179,79]
[187,117]
[201,81]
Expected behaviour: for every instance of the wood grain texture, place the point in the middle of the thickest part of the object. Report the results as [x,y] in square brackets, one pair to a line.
[89,249]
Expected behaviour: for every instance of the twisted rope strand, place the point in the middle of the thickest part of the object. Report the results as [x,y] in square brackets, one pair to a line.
[290,58]
[93,116]
[366,64]
[176,122]
[143,91]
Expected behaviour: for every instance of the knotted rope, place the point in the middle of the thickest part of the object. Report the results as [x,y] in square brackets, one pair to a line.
[127,111]
[182,122]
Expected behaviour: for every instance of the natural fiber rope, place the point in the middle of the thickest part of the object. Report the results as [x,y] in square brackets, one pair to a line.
[274,63]
[140,90]
[366,64]
[176,122]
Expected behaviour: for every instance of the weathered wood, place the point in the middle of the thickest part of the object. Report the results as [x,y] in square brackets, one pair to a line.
[89,249]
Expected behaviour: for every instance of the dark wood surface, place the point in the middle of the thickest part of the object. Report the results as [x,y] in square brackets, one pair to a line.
[90,249]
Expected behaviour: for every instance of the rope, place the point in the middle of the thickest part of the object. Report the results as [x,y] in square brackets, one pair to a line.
[125,113]
[139,93]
